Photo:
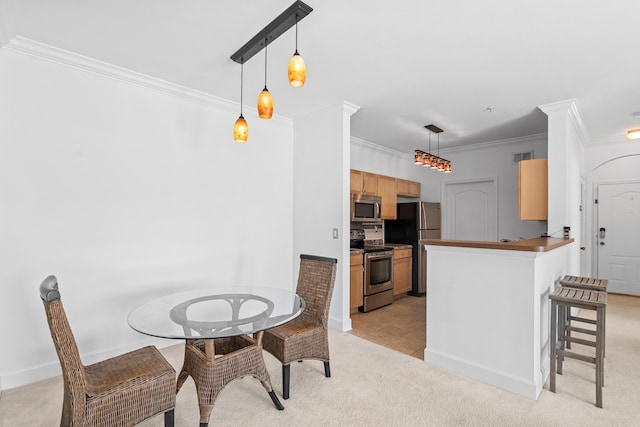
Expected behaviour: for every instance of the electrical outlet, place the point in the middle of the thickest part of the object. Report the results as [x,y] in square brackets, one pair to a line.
[335,233]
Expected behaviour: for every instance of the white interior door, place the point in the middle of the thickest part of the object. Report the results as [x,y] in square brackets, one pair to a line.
[618,236]
[471,211]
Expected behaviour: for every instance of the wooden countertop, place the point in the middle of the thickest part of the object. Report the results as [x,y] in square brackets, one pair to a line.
[538,244]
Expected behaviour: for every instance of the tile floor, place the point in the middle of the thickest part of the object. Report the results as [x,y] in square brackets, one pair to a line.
[400,326]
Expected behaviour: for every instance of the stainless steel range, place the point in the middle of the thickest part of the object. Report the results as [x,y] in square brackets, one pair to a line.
[378,271]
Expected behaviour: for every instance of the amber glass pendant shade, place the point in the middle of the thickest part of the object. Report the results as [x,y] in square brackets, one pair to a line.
[447,168]
[265,104]
[434,163]
[426,160]
[241,130]
[417,158]
[297,70]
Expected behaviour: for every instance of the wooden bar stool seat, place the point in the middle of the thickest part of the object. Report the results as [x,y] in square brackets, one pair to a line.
[585,283]
[588,283]
[563,299]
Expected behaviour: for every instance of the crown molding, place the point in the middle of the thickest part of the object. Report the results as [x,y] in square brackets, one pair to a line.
[576,120]
[372,146]
[572,109]
[350,108]
[509,141]
[611,140]
[7,33]
[482,145]
[86,64]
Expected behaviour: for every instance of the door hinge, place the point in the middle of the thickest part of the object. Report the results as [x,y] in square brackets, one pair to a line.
[596,201]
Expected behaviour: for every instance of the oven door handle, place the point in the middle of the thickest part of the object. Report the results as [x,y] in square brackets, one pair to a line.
[379,255]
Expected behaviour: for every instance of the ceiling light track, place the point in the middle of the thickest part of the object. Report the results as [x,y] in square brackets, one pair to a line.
[287,19]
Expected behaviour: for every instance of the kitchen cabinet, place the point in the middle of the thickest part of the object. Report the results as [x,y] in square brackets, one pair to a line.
[402,263]
[388,192]
[532,189]
[356,281]
[364,182]
[408,188]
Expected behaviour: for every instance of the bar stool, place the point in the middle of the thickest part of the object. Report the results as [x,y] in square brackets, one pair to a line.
[589,283]
[562,300]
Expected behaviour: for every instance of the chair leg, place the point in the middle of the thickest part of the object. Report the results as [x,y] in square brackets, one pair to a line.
[286,374]
[561,338]
[169,418]
[275,400]
[327,369]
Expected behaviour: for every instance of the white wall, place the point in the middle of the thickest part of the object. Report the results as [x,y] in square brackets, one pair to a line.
[566,172]
[469,163]
[321,196]
[126,192]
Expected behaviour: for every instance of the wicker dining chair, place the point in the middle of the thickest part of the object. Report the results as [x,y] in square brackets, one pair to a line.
[306,336]
[120,391]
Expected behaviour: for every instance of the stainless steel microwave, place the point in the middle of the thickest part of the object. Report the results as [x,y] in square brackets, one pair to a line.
[366,208]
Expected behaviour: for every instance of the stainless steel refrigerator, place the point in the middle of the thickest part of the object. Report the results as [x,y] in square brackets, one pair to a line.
[415,221]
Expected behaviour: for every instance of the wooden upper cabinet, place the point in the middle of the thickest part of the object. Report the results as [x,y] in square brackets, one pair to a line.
[369,183]
[408,188]
[388,190]
[363,182]
[532,189]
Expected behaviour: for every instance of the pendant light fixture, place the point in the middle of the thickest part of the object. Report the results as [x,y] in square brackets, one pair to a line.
[432,161]
[265,101]
[287,19]
[297,69]
[241,128]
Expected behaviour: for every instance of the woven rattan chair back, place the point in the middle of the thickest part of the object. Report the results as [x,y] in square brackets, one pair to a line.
[306,337]
[73,371]
[121,391]
[315,285]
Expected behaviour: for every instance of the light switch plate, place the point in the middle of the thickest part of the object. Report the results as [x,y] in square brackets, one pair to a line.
[335,233]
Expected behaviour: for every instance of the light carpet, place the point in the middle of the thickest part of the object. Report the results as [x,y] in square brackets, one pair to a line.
[375,386]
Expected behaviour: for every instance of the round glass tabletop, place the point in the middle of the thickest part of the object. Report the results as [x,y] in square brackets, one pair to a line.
[216,312]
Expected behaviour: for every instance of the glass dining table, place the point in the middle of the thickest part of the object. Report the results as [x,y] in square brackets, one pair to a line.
[222,328]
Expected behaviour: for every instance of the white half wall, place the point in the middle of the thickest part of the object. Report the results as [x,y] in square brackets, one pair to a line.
[125,193]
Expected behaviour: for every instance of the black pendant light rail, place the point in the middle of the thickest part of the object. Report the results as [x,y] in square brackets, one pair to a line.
[272,31]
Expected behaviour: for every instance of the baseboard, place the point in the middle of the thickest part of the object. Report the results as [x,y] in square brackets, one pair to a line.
[339,325]
[520,386]
[52,369]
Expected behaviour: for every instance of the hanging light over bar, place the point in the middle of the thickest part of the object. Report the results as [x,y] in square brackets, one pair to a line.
[427,159]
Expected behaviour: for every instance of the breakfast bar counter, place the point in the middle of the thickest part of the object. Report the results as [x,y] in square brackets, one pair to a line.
[488,308]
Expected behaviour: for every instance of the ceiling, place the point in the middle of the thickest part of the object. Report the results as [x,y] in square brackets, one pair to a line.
[478,70]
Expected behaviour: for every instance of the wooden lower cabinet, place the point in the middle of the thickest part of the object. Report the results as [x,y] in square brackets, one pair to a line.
[402,263]
[356,282]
